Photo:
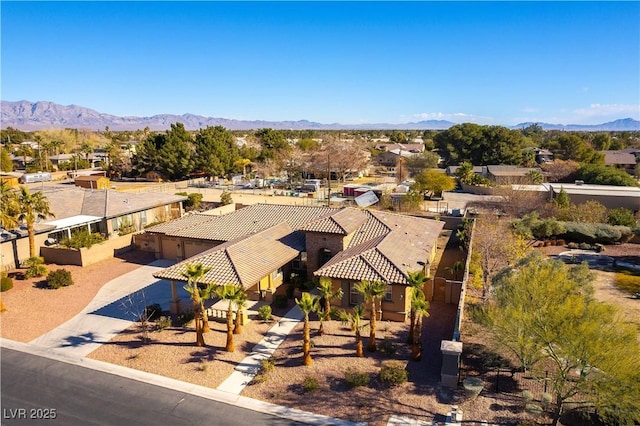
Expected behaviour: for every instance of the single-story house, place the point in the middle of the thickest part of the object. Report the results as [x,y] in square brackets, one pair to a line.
[612,197]
[625,160]
[93,182]
[258,246]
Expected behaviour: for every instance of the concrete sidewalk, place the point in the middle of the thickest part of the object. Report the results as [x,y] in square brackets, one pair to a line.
[111,311]
[248,367]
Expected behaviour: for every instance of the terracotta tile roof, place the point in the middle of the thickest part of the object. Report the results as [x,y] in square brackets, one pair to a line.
[252,219]
[342,222]
[246,260]
[182,223]
[388,257]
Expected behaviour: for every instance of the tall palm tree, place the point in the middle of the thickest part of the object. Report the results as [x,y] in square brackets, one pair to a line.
[325,290]
[33,206]
[307,304]
[193,273]
[241,303]
[9,208]
[24,151]
[421,308]
[416,282]
[356,321]
[372,291]
[231,293]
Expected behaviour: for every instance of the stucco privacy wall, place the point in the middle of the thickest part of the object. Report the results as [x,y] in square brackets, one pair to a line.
[87,256]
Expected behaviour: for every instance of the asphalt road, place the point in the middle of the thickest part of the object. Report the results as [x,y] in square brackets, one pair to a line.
[38,390]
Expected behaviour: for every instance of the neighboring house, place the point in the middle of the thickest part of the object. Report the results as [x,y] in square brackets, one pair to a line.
[413,148]
[20,162]
[541,155]
[93,182]
[506,175]
[93,158]
[479,170]
[260,245]
[623,159]
[612,197]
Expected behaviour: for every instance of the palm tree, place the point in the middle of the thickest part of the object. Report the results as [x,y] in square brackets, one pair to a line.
[458,266]
[231,293]
[240,302]
[9,208]
[307,304]
[325,289]
[193,273]
[421,308]
[416,282]
[355,321]
[33,206]
[24,151]
[323,315]
[372,291]
[86,149]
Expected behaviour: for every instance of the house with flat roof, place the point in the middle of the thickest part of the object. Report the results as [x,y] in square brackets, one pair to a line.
[612,197]
[260,246]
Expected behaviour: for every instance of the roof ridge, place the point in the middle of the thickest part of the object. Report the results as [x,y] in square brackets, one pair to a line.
[233,265]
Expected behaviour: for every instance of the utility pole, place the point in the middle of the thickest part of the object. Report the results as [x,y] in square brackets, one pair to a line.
[328,180]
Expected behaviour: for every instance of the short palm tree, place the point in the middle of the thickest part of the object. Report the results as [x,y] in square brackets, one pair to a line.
[231,293]
[35,267]
[323,315]
[33,206]
[421,307]
[325,290]
[307,304]
[372,291]
[193,273]
[456,268]
[416,282]
[356,321]
[241,303]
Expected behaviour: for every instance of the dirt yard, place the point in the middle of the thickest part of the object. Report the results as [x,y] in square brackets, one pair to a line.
[32,309]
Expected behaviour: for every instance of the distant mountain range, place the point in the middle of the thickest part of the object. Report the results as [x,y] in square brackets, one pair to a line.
[29,116]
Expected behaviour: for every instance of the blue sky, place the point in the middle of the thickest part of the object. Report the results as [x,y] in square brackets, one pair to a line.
[352,63]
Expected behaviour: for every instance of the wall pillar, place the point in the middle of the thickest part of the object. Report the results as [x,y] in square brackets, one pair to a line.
[450,370]
[174,304]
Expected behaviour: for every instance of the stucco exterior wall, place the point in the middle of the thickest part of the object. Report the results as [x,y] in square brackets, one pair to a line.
[316,242]
[87,256]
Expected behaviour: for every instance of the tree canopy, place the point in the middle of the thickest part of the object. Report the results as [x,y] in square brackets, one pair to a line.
[544,312]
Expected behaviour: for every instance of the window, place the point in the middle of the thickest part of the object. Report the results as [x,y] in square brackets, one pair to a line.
[388,296]
[325,255]
[355,298]
[277,273]
[143,218]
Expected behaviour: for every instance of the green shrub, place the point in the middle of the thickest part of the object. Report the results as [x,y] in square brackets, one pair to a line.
[185,318]
[527,396]
[35,267]
[621,216]
[393,374]
[310,384]
[59,278]
[546,399]
[6,284]
[388,348]
[627,282]
[195,200]
[264,313]
[356,378]
[267,365]
[225,198]
[82,238]
[153,311]
[596,233]
[281,301]
[163,322]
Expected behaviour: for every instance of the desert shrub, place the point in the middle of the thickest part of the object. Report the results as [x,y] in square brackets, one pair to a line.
[267,365]
[6,283]
[472,386]
[281,300]
[264,313]
[356,378]
[532,408]
[185,318]
[546,399]
[621,216]
[596,233]
[225,198]
[393,374]
[310,384]
[163,322]
[527,396]
[59,278]
[572,245]
[387,347]
[35,267]
[627,282]
[82,238]
[584,246]
[153,311]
